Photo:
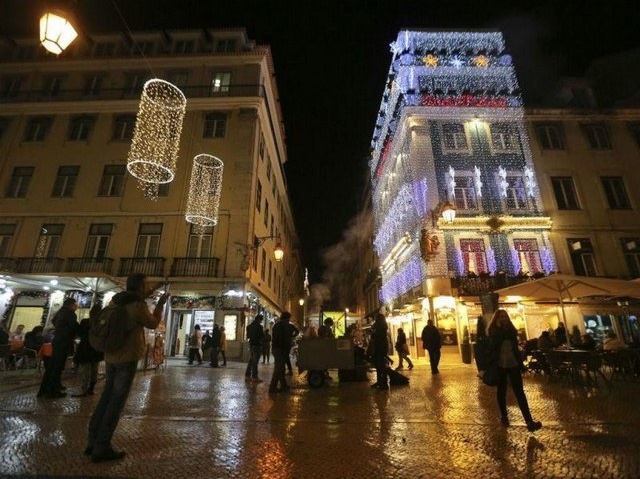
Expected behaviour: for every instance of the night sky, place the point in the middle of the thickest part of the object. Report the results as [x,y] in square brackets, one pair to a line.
[331,61]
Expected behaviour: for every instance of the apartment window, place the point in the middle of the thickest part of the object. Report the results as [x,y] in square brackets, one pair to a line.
[254,256]
[454,137]
[25,52]
[226,45]
[163,189]
[179,78]
[550,136]
[104,49]
[516,198]
[631,251]
[215,125]
[473,256]
[269,172]
[4,125]
[261,147]
[142,48]
[123,127]
[6,235]
[133,83]
[598,136]
[10,87]
[20,181]
[98,241]
[49,241]
[65,182]
[183,46]
[148,243]
[259,196]
[80,128]
[112,181]
[582,258]
[504,137]
[93,85]
[565,193]
[263,264]
[273,187]
[266,213]
[51,86]
[528,255]
[220,82]
[465,193]
[634,130]
[200,243]
[270,274]
[272,228]
[615,192]
[37,128]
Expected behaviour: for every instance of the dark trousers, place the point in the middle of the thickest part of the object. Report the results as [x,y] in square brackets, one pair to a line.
[279,364]
[287,362]
[402,355]
[51,380]
[214,356]
[105,417]
[252,366]
[193,353]
[380,362]
[434,359]
[266,355]
[224,357]
[515,378]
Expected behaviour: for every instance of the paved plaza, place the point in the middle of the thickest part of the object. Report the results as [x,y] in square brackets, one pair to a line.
[199,422]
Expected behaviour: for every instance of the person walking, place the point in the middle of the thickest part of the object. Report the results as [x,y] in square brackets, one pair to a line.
[503,338]
[266,346]
[255,335]
[223,345]
[281,345]
[86,357]
[195,343]
[66,324]
[215,345]
[379,337]
[121,366]
[432,342]
[402,349]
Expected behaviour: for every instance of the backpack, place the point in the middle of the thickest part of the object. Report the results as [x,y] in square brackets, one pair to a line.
[108,331]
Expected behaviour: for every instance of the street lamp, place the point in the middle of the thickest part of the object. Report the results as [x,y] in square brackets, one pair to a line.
[56,31]
[447,210]
[278,252]
[301,302]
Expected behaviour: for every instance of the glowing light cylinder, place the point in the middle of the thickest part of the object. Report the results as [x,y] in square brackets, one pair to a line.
[56,31]
[156,138]
[205,189]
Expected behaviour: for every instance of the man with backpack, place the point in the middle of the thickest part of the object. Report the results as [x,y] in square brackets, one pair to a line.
[121,363]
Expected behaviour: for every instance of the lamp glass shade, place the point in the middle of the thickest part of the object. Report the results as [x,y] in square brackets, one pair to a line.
[301,302]
[278,253]
[449,212]
[56,32]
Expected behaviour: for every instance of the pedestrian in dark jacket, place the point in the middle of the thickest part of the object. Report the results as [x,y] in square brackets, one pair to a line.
[432,342]
[503,338]
[86,357]
[66,324]
[402,348]
[255,335]
[379,333]
[281,343]
[266,347]
[215,345]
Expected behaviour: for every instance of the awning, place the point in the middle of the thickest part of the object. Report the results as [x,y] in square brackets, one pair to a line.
[98,283]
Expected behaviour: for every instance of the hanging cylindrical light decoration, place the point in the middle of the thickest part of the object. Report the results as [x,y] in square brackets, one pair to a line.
[56,31]
[156,137]
[205,189]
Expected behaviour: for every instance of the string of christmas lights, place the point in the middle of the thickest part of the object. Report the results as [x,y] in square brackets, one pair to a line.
[205,188]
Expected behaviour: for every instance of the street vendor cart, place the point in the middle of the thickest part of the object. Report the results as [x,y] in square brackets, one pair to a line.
[316,355]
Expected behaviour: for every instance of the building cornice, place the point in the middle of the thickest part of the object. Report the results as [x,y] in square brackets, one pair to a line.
[497,223]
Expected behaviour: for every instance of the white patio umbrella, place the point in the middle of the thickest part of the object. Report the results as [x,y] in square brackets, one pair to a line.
[563,287]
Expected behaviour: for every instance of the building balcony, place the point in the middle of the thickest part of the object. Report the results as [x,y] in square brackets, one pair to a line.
[39,265]
[149,266]
[87,266]
[195,267]
[476,285]
[9,264]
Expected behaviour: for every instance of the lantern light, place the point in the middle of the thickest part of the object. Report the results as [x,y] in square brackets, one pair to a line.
[278,252]
[56,31]
[448,212]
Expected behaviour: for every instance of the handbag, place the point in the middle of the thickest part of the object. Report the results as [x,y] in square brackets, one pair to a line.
[490,376]
[405,348]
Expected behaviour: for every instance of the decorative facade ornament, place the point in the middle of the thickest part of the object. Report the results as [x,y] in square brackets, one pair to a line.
[428,245]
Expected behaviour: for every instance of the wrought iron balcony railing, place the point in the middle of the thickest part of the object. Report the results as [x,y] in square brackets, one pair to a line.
[89,265]
[475,285]
[9,264]
[40,265]
[150,266]
[197,267]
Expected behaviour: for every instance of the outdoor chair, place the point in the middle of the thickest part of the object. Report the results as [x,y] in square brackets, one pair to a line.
[558,368]
[614,361]
[27,358]
[592,368]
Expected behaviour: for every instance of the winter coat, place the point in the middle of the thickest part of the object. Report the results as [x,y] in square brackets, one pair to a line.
[431,337]
[84,352]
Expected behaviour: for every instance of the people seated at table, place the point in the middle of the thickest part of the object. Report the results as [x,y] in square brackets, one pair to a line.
[34,339]
[560,335]
[18,334]
[588,343]
[575,340]
[544,341]
[612,343]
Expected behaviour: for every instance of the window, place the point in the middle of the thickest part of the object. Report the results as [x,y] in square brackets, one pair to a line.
[261,147]
[37,128]
[631,251]
[98,241]
[51,86]
[220,82]
[269,172]
[615,192]
[272,227]
[598,136]
[148,242]
[473,256]
[10,87]
[266,213]
[20,181]
[163,189]
[183,46]
[93,85]
[133,83]
[528,255]
[582,258]
[179,78]
[454,137]
[634,130]
[4,125]
[142,48]
[565,193]
[254,256]
[112,180]
[49,241]
[215,125]
[550,136]
[226,45]
[123,127]
[270,274]
[104,49]
[200,244]
[263,264]
[465,193]
[516,198]
[6,234]
[504,136]
[65,181]
[80,128]
[259,196]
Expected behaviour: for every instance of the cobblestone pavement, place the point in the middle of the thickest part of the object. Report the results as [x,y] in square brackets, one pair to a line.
[199,422]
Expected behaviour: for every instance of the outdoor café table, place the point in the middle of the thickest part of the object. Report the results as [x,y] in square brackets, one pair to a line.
[571,361]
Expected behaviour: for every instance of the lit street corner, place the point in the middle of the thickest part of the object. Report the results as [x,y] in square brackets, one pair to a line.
[195,421]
